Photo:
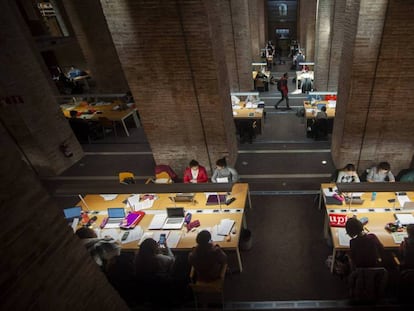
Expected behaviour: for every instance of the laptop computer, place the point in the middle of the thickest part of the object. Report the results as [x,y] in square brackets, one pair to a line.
[72,212]
[320,106]
[115,217]
[175,218]
[183,197]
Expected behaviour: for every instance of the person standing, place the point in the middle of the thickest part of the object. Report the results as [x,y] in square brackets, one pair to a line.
[282,86]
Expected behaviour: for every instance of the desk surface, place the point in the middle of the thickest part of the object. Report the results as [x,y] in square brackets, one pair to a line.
[241,112]
[107,110]
[312,110]
[208,216]
[379,213]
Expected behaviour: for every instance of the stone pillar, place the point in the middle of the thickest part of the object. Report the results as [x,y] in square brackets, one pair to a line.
[174,60]
[44,265]
[306,27]
[91,30]
[255,28]
[234,19]
[374,119]
[323,43]
[262,15]
[28,108]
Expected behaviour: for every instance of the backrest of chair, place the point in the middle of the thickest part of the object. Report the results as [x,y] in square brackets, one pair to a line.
[163,178]
[125,176]
[368,284]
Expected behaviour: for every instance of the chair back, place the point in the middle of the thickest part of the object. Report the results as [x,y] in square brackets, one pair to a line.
[162,178]
[126,178]
[367,285]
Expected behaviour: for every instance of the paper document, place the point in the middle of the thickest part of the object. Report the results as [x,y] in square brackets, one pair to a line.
[225,226]
[113,233]
[134,235]
[222,179]
[399,236]
[402,199]
[405,219]
[173,239]
[214,235]
[328,193]
[109,197]
[137,203]
[157,221]
[343,237]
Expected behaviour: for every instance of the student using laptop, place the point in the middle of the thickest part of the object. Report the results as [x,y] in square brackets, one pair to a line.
[195,173]
[224,173]
[380,173]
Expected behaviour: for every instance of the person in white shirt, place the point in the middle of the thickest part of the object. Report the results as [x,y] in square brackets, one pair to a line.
[348,174]
[223,173]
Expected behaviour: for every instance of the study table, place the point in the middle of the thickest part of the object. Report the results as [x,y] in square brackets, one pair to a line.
[312,109]
[379,212]
[113,111]
[208,215]
[241,111]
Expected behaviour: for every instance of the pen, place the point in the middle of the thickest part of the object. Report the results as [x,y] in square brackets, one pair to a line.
[366,229]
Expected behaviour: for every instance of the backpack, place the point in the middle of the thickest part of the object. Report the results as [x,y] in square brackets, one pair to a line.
[279,85]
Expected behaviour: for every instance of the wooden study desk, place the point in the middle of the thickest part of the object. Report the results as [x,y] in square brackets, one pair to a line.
[379,212]
[241,112]
[208,215]
[311,110]
[94,111]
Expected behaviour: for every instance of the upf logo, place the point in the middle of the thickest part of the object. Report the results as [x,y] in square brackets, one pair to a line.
[337,220]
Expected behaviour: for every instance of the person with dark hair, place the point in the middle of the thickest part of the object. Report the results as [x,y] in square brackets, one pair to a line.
[380,173]
[366,250]
[282,85]
[224,173]
[195,173]
[207,258]
[407,249]
[348,174]
[151,261]
[104,251]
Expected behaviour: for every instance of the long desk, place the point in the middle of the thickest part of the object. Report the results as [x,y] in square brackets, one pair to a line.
[379,213]
[94,111]
[208,215]
[240,112]
[311,111]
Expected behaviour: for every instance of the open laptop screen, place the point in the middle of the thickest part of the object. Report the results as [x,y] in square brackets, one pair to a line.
[72,212]
[175,212]
[116,212]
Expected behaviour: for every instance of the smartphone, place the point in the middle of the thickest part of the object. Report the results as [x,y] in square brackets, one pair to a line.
[162,239]
[125,235]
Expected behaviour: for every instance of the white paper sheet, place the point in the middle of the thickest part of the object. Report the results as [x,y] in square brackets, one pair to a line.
[399,236]
[402,199]
[343,237]
[157,221]
[109,197]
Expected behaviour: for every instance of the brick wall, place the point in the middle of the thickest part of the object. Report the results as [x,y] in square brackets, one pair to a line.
[92,33]
[375,98]
[36,123]
[254,28]
[175,67]
[43,265]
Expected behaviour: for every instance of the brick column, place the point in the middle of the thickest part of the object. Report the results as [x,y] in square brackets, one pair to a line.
[28,107]
[262,14]
[324,29]
[91,30]
[44,265]
[306,27]
[174,61]
[255,28]
[375,120]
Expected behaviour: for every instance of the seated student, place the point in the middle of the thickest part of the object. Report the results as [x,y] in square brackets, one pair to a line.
[207,258]
[407,249]
[366,250]
[103,251]
[195,173]
[380,173]
[224,173]
[347,174]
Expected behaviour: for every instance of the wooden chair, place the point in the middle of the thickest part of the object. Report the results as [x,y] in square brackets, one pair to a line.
[367,285]
[126,178]
[208,292]
[160,178]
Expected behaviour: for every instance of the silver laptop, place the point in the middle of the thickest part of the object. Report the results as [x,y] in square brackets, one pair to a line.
[175,218]
[115,217]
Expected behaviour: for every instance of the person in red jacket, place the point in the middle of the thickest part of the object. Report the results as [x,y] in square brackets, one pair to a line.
[195,173]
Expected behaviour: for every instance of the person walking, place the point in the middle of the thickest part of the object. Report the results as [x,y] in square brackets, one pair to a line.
[282,86]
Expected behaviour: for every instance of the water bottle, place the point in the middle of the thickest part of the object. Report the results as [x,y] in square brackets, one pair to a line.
[373,196]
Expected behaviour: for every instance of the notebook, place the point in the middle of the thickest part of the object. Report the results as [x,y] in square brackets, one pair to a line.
[408,206]
[175,218]
[115,217]
[354,200]
[72,212]
[213,199]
